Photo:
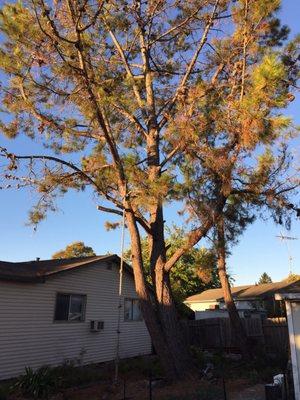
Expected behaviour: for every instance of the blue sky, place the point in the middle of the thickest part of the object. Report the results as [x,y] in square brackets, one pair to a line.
[259,250]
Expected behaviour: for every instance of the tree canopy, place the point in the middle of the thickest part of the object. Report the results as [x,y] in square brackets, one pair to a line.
[75,249]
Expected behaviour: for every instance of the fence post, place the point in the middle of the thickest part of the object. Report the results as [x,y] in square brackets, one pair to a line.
[221,333]
[150,385]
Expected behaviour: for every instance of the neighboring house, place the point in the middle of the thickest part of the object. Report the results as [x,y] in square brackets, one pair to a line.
[57,311]
[252,301]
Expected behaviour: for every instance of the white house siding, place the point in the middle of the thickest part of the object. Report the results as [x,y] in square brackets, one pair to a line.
[222,314]
[203,306]
[30,337]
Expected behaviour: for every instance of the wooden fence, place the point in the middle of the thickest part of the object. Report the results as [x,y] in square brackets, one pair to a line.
[216,333]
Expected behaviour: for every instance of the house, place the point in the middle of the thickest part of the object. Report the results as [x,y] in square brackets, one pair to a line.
[252,301]
[291,297]
[56,311]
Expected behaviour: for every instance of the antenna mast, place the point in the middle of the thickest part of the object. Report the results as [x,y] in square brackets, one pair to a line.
[285,239]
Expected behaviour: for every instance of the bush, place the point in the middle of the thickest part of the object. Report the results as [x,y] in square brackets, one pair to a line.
[41,383]
[69,375]
[37,384]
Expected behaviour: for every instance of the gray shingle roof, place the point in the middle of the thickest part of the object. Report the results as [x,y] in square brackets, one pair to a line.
[246,292]
[38,271]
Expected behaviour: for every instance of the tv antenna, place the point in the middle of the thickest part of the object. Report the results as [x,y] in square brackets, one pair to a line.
[286,239]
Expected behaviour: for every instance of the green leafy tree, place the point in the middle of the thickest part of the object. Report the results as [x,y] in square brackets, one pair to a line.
[194,272]
[145,103]
[242,113]
[265,278]
[75,249]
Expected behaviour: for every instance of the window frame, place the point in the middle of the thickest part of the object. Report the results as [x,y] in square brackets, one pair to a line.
[132,300]
[68,321]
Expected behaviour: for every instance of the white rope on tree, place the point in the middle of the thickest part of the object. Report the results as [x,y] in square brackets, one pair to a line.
[121,270]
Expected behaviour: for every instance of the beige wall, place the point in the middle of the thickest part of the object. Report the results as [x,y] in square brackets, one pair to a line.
[203,306]
[29,337]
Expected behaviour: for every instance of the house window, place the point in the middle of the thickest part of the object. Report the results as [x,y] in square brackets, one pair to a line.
[132,310]
[70,307]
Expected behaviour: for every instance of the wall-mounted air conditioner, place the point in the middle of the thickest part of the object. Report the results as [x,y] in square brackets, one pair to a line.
[96,325]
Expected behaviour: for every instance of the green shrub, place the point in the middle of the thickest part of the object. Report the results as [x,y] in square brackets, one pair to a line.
[45,381]
[69,375]
[38,384]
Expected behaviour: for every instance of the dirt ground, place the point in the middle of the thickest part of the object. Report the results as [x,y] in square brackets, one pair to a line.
[139,390]
[256,392]
[134,383]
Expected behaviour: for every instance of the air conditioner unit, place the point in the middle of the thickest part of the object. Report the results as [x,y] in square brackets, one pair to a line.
[96,326]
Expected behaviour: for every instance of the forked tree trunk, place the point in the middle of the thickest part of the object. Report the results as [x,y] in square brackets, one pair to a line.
[235,320]
[159,312]
[172,329]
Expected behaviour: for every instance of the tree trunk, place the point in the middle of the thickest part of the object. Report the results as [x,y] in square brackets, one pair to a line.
[235,320]
[159,310]
[159,318]
[173,330]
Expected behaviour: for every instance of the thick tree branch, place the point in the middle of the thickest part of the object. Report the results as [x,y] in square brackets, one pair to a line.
[140,220]
[196,235]
[193,238]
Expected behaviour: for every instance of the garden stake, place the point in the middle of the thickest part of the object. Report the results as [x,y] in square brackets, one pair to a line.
[224,389]
[150,386]
[124,391]
[285,397]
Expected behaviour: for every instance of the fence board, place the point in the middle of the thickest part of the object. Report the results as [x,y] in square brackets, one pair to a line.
[216,333]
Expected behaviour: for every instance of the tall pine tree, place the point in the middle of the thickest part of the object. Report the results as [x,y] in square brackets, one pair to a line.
[145,103]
